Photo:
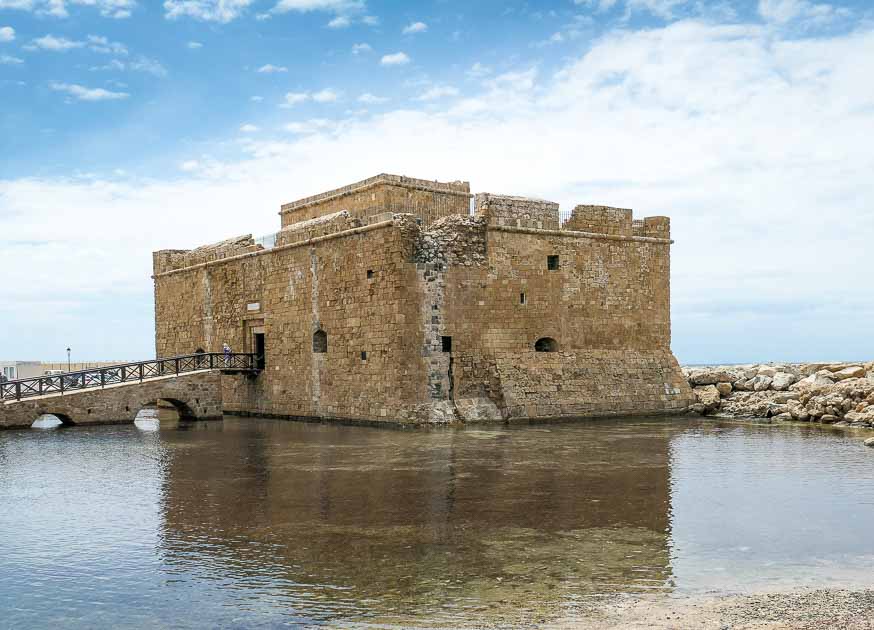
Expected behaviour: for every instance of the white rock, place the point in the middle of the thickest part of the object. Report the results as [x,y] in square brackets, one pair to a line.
[707,396]
[760,383]
[767,370]
[724,389]
[869,442]
[856,371]
[782,381]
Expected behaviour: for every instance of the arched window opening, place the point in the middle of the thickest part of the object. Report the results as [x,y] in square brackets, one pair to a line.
[320,341]
[546,344]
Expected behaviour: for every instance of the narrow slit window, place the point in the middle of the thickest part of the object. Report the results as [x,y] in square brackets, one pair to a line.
[446,343]
[521,298]
[364,355]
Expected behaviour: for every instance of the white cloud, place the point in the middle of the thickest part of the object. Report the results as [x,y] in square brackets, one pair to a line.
[371,99]
[415,27]
[784,11]
[87,94]
[7,34]
[294,98]
[338,6]
[396,59]
[325,96]
[140,64]
[437,92]
[54,44]
[58,8]
[313,125]
[101,44]
[754,143]
[9,60]
[222,11]
[370,20]
[256,99]
[478,70]
[271,69]
[195,45]
[96,43]
[189,166]
[248,128]
[341,21]
[357,49]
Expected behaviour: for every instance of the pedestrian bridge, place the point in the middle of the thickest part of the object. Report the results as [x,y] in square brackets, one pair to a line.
[116,394]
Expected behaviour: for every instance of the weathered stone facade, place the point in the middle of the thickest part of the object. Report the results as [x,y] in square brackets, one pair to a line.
[428,313]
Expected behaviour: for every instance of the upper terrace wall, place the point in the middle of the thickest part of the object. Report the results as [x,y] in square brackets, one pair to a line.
[428,200]
[169,259]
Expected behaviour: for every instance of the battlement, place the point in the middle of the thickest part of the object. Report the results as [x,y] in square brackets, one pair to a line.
[509,211]
[428,200]
[616,222]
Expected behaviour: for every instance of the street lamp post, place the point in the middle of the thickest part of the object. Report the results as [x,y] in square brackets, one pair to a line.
[68,360]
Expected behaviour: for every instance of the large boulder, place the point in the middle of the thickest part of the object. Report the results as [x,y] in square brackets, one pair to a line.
[817,379]
[709,376]
[760,383]
[767,370]
[869,442]
[855,371]
[708,396]
[724,389]
[782,381]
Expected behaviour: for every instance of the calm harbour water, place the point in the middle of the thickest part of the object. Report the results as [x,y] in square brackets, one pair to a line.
[260,523]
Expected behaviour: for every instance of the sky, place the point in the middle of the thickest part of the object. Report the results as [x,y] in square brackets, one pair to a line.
[129,126]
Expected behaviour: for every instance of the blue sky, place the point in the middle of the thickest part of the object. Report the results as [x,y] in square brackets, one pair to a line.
[128,126]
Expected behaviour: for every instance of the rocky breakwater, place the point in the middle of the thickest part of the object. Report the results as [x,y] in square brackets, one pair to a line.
[832,393]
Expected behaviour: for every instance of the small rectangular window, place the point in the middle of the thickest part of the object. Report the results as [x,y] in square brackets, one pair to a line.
[446,343]
[521,298]
[369,274]
[552,262]
[364,355]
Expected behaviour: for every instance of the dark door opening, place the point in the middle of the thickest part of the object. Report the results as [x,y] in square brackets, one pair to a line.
[260,351]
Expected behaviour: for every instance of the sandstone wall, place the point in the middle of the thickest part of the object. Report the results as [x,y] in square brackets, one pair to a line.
[428,200]
[300,288]
[606,305]
[437,323]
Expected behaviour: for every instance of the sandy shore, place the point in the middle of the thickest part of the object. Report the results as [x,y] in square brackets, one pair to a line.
[833,608]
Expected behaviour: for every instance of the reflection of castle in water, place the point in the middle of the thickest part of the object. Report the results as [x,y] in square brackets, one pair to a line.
[412,521]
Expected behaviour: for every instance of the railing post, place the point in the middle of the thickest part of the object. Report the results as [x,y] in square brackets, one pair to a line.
[141,372]
[102,378]
[176,361]
[18,391]
[211,357]
[61,378]
[123,375]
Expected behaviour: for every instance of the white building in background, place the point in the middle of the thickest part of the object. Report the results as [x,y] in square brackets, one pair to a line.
[20,369]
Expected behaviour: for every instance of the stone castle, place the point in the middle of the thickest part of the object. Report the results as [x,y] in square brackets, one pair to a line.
[404,300]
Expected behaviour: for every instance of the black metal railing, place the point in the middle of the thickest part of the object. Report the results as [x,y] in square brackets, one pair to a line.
[125,373]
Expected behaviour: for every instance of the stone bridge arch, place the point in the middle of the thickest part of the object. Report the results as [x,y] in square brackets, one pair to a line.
[197,396]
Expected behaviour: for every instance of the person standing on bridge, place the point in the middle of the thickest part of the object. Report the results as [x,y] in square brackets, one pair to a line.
[227,350]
